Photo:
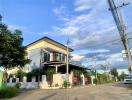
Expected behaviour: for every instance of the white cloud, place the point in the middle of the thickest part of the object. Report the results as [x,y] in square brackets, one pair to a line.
[41,33]
[14,27]
[61,13]
[66,31]
[76,57]
[98,51]
[117,57]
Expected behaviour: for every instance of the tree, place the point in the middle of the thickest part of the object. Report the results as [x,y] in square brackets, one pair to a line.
[114,72]
[12,52]
[49,73]
[122,76]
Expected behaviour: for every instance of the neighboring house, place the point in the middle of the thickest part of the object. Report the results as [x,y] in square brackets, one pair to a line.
[47,53]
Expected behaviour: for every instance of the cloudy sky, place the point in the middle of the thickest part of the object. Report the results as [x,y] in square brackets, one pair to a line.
[88,24]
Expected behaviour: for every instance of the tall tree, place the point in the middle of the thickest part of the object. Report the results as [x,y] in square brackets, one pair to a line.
[12,52]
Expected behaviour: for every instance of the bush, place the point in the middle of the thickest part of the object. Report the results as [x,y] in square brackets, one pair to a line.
[18,85]
[102,79]
[8,92]
[66,84]
[56,85]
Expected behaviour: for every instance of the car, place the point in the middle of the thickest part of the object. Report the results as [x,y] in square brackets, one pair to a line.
[128,79]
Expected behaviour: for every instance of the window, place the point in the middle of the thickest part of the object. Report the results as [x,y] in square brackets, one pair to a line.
[46,57]
[58,56]
[63,57]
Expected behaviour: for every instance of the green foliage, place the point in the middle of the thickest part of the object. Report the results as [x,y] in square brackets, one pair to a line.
[20,74]
[11,49]
[8,92]
[66,84]
[77,72]
[129,69]
[92,73]
[122,76]
[95,81]
[87,74]
[18,85]
[56,85]
[49,74]
[50,71]
[37,71]
[102,79]
[114,72]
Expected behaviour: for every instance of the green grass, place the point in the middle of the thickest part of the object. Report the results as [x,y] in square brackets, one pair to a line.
[8,92]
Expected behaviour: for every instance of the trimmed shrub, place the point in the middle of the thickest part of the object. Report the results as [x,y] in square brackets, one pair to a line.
[8,92]
[66,84]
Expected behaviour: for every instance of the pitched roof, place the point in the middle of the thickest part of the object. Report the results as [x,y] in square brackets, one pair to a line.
[50,41]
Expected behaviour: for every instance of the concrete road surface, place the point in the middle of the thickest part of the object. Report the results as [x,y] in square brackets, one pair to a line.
[100,92]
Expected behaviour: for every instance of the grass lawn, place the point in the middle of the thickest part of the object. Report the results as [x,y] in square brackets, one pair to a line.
[8,92]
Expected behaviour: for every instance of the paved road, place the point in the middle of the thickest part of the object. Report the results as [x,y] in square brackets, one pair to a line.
[100,92]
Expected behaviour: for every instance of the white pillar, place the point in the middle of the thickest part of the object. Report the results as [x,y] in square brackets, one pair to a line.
[92,80]
[83,79]
[51,56]
[10,80]
[17,80]
[43,78]
[33,79]
[56,69]
[24,79]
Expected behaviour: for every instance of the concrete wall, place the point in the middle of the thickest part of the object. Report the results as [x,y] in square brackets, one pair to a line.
[29,85]
[24,84]
[60,78]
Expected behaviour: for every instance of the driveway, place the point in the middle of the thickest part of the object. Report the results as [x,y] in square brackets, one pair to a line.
[100,92]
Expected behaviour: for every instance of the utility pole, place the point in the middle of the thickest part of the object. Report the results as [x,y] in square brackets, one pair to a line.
[39,77]
[67,62]
[94,67]
[121,26]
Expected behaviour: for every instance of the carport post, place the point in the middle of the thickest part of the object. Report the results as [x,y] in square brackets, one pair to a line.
[56,67]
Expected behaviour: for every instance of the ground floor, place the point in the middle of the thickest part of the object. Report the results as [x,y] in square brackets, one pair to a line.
[116,91]
[52,75]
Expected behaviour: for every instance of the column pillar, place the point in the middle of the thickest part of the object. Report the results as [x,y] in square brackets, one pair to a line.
[92,80]
[51,56]
[83,79]
[56,67]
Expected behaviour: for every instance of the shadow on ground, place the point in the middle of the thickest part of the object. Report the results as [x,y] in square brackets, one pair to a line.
[47,97]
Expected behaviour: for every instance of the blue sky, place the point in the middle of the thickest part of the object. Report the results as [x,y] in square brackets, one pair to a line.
[87,23]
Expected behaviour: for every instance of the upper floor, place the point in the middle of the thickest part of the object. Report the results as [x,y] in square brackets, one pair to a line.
[47,50]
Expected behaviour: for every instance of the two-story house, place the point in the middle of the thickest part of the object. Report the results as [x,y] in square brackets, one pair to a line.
[47,53]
